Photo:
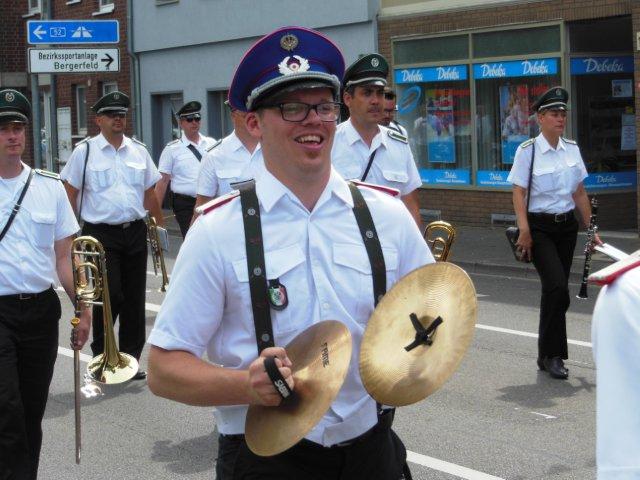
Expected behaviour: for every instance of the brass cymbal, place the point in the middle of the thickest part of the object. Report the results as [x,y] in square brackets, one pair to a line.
[391,374]
[320,356]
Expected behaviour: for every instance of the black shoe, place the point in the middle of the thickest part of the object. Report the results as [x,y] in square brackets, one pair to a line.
[141,375]
[555,367]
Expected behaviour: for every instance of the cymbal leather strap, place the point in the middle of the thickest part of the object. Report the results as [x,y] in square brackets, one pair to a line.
[278,380]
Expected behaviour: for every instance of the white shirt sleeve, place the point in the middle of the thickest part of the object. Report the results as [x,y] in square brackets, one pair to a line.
[189,325]
[165,164]
[207,178]
[72,171]
[414,176]
[67,224]
[151,174]
[414,251]
[519,174]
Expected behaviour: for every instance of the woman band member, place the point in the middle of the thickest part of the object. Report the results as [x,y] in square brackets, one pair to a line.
[548,230]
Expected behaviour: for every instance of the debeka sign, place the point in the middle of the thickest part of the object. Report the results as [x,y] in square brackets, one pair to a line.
[449,73]
[518,68]
[601,65]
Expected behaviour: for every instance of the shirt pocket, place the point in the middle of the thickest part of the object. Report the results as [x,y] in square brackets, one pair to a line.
[347,166]
[229,175]
[287,265]
[395,176]
[102,176]
[135,173]
[43,228]
[544,179]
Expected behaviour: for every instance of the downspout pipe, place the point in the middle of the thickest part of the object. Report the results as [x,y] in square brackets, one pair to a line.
[134,72]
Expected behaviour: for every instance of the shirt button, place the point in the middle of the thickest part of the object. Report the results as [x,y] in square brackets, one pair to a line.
[325,306]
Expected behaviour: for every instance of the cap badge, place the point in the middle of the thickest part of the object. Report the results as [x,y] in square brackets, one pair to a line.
[289,42]
[294,64]
[375,62]
[9,97]
[558,92]
[116,96]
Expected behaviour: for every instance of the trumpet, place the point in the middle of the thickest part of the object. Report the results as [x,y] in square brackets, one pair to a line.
[440,236]
[91,288]
[157,255]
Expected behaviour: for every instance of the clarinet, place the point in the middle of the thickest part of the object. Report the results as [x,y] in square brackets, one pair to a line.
[588,247]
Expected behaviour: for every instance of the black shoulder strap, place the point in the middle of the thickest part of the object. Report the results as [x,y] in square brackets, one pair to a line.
[256,264]
[84,172]
[16,207]
[371,243]
[195,151]
[533,152]
[366,170]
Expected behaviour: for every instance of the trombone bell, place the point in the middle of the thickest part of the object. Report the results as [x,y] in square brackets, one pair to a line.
[440,236]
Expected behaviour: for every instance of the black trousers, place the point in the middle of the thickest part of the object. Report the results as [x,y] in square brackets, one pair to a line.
[553,247]
[183,206]
[377,455]
[28,349]
[126,258]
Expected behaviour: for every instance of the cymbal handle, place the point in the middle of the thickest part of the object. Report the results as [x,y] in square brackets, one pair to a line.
[279,383]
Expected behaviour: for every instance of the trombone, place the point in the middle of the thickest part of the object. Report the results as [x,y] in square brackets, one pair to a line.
[440,236]
[157,255]
[90,282]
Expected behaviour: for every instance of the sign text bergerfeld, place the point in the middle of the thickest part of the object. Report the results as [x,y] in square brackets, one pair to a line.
[74,60]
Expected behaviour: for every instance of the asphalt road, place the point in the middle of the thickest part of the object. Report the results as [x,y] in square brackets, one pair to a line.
[497,418]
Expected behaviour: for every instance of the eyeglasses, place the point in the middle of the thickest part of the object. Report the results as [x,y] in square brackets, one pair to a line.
[191,119]
[298,111]
[115,114]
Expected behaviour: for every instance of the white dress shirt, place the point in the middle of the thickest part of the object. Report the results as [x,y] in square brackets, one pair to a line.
[393,165]
[182,165]
[318,256]
[556,174]
[227,163]
[616,351]
[115,180]
[27,257]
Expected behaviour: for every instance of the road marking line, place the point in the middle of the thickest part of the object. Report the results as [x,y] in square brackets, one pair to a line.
[579,343]
[544,415]
[481,295]
[451,468]
[67,352]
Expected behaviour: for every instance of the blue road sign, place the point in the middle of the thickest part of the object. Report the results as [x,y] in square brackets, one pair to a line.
[72,31]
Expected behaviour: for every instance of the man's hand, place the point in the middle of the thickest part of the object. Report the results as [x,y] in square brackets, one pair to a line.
[525,244]
[260,387]
[80,334]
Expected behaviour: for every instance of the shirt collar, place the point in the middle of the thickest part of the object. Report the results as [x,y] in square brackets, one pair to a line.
[353,136]
[270,190]
[102,142]
[186,141]
[544,146]
[236,144]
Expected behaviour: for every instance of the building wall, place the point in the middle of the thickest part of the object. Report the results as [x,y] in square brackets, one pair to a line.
[475,207]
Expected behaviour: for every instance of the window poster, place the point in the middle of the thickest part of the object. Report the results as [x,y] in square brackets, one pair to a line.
[514,119]
[439,125]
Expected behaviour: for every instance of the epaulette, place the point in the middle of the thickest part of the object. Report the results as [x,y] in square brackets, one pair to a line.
[47,173]
[397,136]
[138,142]
[381,188]
[526,143]
[84,140]
[216,202]
[609,274]
[208,149]
[572,142]
[173,142]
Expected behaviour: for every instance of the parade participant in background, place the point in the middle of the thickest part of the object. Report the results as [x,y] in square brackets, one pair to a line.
[389,112]
[548,230]
[235,158]
[365,151]
[36,230]
[109,180]
[180,163]
[288,82]
[616,351]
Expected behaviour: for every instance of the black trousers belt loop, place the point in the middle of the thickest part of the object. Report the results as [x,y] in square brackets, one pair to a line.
[25,296]
[553,217]
[119,226]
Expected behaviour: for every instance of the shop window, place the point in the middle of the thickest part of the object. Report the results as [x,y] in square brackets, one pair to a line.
[604,113]
[433,105]
[218,113]
[108,87]
[81,109]
[516,42]
[613,35]
[504,94]
[425,50]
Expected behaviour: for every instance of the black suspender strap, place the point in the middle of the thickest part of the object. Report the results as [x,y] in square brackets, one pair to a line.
[366,170]
[16,207]
[195,151]
[371,243]
[84,173]
[255,264]
[533,154]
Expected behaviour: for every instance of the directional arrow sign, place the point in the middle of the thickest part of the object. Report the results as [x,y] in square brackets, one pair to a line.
[74,60]
[72,31]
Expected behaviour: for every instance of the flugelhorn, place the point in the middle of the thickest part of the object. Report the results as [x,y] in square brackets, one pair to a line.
[157,255]
[440,236]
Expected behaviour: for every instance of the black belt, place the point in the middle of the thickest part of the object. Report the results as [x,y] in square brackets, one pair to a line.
[119,226]
[182,195]
[553,217]
[26,296]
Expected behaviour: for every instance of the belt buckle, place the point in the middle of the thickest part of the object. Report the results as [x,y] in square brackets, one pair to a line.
[560,217]
[25,296]
[126,225]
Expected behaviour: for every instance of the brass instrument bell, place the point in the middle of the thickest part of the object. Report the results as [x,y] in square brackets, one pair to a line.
[440,236]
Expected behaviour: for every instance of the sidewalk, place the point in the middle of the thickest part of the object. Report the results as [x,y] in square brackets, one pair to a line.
[485,250]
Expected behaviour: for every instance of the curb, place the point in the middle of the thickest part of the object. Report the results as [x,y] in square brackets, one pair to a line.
[498,269]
